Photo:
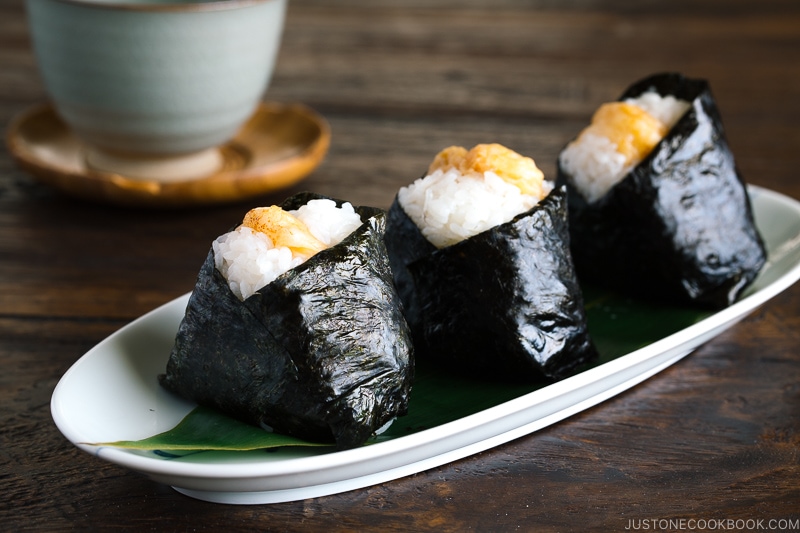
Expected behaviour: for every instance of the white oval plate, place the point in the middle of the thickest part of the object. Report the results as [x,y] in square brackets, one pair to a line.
[112,393]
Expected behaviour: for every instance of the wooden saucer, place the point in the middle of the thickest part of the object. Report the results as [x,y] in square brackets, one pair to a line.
[280,145]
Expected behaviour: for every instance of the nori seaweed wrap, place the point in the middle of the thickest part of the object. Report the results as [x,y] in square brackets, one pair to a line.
[503,304]
[323,352]
[679,226]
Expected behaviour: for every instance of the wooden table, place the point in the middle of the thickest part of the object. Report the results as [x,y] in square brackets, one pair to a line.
[715,437]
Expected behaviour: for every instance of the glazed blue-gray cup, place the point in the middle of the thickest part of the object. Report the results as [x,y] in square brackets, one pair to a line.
[155,79]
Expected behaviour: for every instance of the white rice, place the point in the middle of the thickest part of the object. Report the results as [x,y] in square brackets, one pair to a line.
[249,260]
[449,206]
[594,163]
[667,109]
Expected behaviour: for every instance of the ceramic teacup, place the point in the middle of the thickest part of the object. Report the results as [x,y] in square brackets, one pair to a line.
[154,86]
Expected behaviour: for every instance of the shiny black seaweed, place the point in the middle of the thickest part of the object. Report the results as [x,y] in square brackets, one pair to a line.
[322,353]
[679,227]
[504,304]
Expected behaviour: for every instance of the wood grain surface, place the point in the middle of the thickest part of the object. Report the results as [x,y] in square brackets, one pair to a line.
[716,437]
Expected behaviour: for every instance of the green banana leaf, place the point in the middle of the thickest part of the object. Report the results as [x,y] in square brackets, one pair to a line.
[205,429]
[617,325]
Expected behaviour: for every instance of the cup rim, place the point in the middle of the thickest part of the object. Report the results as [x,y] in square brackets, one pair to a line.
[213,5]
